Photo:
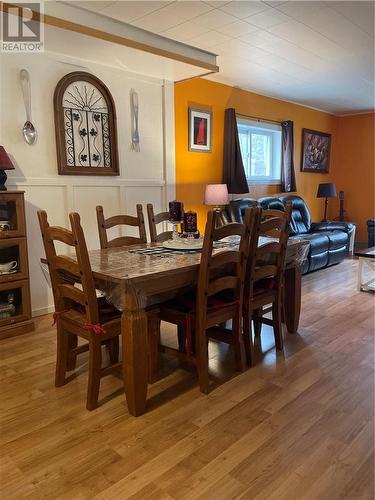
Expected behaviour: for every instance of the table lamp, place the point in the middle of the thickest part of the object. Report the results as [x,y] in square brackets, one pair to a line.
[5,164]
[216,194]
[326,190]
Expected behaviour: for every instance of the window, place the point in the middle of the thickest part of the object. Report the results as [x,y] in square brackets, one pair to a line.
[260,145]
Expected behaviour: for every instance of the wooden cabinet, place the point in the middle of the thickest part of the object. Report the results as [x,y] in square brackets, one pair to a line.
[15,307]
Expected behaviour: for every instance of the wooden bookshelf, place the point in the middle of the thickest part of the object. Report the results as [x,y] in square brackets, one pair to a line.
[14,284]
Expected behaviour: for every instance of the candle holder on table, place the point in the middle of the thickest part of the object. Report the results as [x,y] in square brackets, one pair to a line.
[190,226]
[176,211]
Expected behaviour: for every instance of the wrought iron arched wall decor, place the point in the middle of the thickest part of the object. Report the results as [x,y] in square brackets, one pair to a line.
[85,126]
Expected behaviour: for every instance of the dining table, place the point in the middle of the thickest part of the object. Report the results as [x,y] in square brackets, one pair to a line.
[135,278]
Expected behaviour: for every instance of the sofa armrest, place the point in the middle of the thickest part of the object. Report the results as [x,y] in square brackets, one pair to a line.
[332,226]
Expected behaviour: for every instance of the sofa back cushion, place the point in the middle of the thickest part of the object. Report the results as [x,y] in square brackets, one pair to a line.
[236,209]
[271,203]
[301,219]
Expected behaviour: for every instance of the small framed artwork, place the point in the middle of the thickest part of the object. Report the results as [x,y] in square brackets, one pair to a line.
[316,148]
[200,130]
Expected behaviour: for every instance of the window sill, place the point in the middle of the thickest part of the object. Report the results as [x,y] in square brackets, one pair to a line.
[263,182]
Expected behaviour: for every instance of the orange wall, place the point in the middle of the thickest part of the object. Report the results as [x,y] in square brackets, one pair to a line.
[195,170]
[354,171]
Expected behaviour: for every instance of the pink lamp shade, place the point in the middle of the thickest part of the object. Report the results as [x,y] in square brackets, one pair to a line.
[5,161]
[216,194]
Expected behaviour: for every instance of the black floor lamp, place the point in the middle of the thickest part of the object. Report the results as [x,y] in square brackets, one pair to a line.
[326,190]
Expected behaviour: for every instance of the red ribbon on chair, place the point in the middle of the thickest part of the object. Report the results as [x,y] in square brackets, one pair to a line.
[95,327]
[56,316]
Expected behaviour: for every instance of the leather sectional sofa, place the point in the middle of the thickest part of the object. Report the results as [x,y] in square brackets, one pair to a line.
[329,241]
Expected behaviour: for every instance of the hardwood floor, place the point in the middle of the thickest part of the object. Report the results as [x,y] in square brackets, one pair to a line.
[298,426]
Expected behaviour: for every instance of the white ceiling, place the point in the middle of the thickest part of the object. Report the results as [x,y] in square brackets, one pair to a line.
[320,54]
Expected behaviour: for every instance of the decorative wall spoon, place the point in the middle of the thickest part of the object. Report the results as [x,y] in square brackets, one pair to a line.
[28,130]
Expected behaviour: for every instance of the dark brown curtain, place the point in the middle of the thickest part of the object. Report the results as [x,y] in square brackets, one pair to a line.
[288,176]
[233,170]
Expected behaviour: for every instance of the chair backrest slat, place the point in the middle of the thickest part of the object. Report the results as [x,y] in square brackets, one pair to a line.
[154,219]
[223,271]
[120,220]
[264,250]
[73,293]
[64,272]
[226,257]
[265,272]
[269,257]
[224,283]
[232,229]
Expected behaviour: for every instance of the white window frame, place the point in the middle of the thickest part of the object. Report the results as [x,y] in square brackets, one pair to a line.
[274,132]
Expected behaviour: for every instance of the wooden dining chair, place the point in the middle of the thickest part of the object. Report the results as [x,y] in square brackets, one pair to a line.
[153,220]
[218,298]
[78,312]
[264,276]
[120,220]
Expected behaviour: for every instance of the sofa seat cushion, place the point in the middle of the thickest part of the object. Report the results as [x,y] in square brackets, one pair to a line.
[318,242]
[337,239]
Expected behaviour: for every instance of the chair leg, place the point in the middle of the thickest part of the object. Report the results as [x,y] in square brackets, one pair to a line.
[72,358]
[238,344]
[202,360]
[153,348]
[95,364]
[181,335]
[62,355]
[277,325]
[247,335]
[257,320]
[113,350]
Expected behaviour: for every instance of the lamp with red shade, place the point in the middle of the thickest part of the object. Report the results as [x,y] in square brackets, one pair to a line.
[5,164]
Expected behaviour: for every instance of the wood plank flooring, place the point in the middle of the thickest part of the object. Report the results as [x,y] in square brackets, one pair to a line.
[296,426]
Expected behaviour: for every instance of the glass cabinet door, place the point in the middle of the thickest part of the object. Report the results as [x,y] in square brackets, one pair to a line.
[12,217]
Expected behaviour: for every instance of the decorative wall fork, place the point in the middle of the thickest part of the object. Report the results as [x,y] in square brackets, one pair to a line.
[134,121]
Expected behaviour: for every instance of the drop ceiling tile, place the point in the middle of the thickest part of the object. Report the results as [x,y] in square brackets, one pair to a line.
[280,64]
[129,11]
[172,15]
[337,28]
[237,28]
[209,39]
[217,3]
[235,48]
[92,6]
[360,13]
[267,19]
[213,19]
[295,9]
[245,8]
[275,3]
[303,36]
[284,49]
[184,32]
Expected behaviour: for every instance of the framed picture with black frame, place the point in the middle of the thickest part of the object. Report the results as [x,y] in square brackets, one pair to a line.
[316,149]
[200,130]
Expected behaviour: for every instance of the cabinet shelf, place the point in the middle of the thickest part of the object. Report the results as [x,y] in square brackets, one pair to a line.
[15,306]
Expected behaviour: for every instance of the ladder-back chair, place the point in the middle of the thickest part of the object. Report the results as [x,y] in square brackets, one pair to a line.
[78,312]
[153,220]
[265,275]
[218,297]
[120,220]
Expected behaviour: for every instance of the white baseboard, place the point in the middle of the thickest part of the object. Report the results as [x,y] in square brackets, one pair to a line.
[42,311]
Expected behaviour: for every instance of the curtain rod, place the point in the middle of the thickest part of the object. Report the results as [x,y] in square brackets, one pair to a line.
[259,119]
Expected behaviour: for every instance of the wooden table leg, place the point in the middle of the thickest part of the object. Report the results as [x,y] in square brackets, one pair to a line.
[135,360]
[292,298]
